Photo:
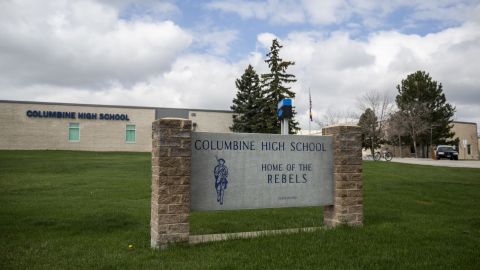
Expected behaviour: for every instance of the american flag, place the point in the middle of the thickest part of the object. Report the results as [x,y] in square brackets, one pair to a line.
[310,102]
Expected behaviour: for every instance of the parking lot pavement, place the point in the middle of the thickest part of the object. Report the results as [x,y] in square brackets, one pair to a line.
[444,163]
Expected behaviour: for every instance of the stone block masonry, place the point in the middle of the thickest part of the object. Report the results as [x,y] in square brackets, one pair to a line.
[347,177]
[171,171]
[171,179]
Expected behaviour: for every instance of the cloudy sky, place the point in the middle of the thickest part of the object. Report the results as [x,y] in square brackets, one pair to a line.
[187,54]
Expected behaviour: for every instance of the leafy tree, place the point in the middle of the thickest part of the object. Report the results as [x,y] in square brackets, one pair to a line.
[247,103]
[368,122]
[419,90]
[275,89]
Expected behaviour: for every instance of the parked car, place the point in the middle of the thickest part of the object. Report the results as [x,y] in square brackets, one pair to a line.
[446,151]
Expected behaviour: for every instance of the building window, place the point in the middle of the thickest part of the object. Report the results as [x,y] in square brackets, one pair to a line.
[130,134]
[468,149]
[74,132]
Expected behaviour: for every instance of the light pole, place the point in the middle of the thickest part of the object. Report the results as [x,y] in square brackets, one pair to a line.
[431,139]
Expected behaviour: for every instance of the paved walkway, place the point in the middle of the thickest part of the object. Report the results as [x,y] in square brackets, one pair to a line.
[195,239]
[444,163]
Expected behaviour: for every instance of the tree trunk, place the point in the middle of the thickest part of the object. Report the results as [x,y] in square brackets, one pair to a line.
[400,144]
[372,148]
[415,147]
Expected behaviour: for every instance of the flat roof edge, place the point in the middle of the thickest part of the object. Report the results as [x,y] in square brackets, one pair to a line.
[108,106]
[462,122]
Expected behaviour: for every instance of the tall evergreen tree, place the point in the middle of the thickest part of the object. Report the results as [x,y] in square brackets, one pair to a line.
[274,89]
[419,88]
[247,103]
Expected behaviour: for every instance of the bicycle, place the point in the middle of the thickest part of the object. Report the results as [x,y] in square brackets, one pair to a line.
[385,154]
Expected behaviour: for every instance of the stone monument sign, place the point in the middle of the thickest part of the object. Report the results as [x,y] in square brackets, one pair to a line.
[214,171]
[245,171]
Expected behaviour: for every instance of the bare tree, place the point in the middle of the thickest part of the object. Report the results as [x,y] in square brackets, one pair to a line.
[378,106]
[413,119]
[395,129]
[335,117]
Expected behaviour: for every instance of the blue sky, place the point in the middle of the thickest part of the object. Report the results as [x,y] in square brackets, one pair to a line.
[189,53]
[198,16]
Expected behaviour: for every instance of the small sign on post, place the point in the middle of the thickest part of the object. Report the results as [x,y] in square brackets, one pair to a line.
[284,113]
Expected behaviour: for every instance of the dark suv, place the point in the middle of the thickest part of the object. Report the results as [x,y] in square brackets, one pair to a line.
[446,151]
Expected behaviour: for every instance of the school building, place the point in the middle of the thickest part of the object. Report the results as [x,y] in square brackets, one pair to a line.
[467,134]
[29,125]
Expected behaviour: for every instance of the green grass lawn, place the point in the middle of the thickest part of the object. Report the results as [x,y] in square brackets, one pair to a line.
[81,210]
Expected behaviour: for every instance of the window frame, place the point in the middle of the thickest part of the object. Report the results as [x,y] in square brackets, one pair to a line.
[70,128]
[127,130]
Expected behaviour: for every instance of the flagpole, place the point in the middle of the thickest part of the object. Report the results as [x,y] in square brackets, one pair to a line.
[309,128]
[310,112]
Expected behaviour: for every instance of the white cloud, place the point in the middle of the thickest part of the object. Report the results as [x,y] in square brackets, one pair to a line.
[82,43]
[216,42]
[265,39]
[194,81]
[246,9]
[81,51]
[149,6]
[338,68]
[285,12]
[371,14]
[276,11]
[327,12]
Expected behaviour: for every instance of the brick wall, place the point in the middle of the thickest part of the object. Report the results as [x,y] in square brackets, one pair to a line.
[347,177]
[171,170]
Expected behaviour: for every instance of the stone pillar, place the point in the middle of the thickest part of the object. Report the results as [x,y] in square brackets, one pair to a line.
[347,177]
[171,170]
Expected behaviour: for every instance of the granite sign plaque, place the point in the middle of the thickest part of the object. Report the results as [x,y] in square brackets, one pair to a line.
[247,171]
